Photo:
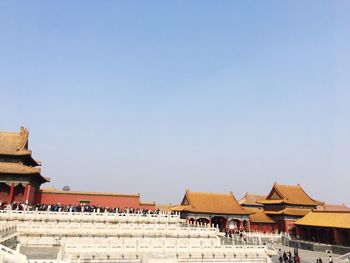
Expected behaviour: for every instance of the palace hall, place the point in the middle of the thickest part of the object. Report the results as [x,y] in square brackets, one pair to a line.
[285,204]
[286,208]
[21,180]
[214,208]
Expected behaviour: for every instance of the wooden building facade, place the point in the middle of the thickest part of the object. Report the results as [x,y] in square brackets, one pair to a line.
[219,209]
[259,220]
[328,227]
[285,204]
[20,174]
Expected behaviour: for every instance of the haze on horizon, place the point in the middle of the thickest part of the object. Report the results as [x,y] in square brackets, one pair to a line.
[156,97]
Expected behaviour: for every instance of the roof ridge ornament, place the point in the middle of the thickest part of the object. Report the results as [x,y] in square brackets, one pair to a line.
[24,134]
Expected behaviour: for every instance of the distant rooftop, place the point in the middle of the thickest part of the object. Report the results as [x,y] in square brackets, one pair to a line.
[326,219]
[251,199]
[333,207]
[216,203]
[289,194]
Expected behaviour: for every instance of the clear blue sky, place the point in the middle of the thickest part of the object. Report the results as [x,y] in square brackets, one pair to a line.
[154,97]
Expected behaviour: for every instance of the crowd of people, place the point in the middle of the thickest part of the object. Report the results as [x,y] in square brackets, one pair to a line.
[74,208]
[238,233]
[287,257]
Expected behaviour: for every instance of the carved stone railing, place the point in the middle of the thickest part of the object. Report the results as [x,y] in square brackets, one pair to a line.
[11,256]
[162,217]
[8,230]
[177,252]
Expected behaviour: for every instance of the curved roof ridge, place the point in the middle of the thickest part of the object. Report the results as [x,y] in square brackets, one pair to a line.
[319,202]
[288,185]
[209,193]
[330,212]
[236,201]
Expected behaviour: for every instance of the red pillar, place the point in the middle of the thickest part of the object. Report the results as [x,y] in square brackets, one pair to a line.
[337,236]
[227,225]
[309,234]
[26,192]
[12,190]
[326,236]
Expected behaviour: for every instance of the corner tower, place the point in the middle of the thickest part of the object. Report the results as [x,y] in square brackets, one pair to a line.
[20,174]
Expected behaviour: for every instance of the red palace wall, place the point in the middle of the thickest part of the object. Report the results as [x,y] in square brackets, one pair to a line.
[4,192]
[18,193]
[31,191]
[67,198]
[287,225]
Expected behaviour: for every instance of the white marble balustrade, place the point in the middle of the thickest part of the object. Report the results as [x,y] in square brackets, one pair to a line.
[162,217]
[8,230]
[182,252]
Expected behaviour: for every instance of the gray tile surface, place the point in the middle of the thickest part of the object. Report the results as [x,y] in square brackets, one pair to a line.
[40,252]
[307,256]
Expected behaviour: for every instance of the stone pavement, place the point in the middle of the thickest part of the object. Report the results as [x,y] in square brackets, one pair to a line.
[307,256]
[40,252]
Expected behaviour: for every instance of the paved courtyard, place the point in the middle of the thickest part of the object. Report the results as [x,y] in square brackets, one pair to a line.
[40,252]
[307,256]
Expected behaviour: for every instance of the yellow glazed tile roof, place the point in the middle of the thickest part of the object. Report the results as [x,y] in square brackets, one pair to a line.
[17,168]
[214,203]
[289,194]
[251,199]
[290,211]
[268,202]
[333,207]
[259,216]
[326,219]
[164,207]
[14,142]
